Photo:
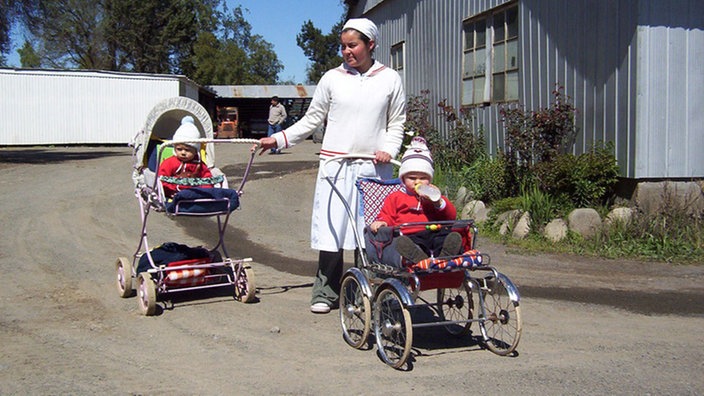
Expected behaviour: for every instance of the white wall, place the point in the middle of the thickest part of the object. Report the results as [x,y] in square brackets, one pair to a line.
[42,107]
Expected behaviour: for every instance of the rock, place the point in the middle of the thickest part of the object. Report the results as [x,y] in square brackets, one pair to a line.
[584,221]
[619,215]
[506,220]
[461,196]
[556,230]
[470,209]
[522,227]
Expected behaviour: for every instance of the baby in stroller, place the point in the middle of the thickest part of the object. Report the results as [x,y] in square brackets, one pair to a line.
[419,201]
[185,176]
[186,162]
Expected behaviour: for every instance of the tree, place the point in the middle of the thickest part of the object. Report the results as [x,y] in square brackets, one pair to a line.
[197,38]
[29,57]
[322,50]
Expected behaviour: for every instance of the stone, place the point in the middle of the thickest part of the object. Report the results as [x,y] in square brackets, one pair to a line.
[619,215]
[556,230]
[522,227]
[461,196]
[470,209]
[584,221]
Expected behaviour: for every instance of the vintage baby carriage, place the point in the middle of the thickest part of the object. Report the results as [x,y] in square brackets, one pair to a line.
[174,267]
[457,291]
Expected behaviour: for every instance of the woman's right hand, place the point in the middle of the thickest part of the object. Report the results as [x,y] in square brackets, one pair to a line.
[266,143]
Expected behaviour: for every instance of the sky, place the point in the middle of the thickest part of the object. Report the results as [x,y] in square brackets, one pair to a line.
[278,21]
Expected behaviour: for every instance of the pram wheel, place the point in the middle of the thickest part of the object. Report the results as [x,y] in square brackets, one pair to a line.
[456,304]
[147,294]
[124,277]
[244,283]
[392,328]
[355,312]
[502,325]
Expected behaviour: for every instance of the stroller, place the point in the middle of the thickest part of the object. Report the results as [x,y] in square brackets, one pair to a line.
[456,290]
[173,267]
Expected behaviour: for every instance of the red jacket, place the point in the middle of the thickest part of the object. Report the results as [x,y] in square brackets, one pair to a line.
[174,167]
[404,207]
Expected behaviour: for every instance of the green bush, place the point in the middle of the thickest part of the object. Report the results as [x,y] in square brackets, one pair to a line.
[587,179]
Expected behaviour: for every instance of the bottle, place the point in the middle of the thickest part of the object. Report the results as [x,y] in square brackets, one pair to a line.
[428,191]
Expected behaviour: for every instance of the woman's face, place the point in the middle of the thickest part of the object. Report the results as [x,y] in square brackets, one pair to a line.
[355,51]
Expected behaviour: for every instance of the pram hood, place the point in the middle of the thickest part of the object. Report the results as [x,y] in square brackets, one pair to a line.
[163,120]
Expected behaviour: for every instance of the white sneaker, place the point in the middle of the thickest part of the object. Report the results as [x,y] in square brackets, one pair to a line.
[320,307]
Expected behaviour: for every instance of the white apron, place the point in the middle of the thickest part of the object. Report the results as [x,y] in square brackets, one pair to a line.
[331,228]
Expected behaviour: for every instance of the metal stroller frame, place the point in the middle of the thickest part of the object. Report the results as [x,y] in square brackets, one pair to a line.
[381,297]
[217,270]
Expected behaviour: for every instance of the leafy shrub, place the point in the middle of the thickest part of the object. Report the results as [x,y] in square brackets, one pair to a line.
[588,179]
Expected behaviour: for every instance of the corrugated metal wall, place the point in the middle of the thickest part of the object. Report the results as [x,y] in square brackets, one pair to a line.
[631,67]
[670,89]
[70,107]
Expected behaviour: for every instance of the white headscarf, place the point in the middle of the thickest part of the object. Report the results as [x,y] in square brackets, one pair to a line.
[364,26]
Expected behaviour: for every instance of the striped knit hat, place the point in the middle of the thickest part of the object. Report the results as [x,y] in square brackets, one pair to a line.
[416,158]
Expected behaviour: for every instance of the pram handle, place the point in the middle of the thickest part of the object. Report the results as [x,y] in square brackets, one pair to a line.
[352,156]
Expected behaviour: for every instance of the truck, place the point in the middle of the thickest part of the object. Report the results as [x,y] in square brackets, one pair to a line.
[228,127]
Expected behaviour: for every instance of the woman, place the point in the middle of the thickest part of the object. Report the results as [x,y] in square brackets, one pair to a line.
[364,105]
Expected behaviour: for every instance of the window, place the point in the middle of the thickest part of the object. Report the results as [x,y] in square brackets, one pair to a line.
[490,58]
[397,59]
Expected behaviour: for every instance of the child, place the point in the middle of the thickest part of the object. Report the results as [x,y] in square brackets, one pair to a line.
[409,206]
[185,163]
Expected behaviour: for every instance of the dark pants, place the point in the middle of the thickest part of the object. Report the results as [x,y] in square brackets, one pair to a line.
[326,288]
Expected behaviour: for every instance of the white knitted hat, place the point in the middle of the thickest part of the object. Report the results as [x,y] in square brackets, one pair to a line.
[187,131]
[417,158]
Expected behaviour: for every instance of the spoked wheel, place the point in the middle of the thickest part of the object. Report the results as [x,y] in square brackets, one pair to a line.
[355,312]
[244,283]
[147,294]
[502,325]
[392,328]
[456,305]
[124,277]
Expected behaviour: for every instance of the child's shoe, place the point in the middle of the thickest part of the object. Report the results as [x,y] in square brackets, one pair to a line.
[409,250]
[452,245]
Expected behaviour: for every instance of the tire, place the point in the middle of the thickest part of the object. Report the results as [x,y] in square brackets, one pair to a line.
[245,291]
[456,305]
[392,328]
[355,313]
[147,294]
[501,325]
[124,277]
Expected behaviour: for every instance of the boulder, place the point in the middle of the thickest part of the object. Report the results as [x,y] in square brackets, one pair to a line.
[522,227]
[584,221]
[556,230]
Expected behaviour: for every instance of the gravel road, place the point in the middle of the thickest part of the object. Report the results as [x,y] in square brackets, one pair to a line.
[590,326]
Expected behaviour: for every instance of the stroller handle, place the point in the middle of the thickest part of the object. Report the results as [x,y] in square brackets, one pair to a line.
[351,156]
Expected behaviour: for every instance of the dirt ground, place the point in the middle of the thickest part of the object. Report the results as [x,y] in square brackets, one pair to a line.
[590,326]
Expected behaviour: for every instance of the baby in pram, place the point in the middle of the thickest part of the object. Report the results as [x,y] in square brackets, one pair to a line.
[185,176]
[186,162]
[420,201]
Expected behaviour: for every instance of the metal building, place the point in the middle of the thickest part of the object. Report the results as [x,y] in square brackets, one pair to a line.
[632,68]
[41,107]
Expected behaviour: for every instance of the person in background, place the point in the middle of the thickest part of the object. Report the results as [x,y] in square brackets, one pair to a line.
[277,116]
[364,104]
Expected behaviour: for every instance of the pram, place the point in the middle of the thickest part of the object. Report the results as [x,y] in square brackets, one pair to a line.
[457,290]
[174,267]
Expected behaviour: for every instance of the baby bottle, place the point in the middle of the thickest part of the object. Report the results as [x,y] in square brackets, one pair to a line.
[426,190]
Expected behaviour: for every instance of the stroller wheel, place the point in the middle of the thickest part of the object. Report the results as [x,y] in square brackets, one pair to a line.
[244,283]
[147,294]
[124,277]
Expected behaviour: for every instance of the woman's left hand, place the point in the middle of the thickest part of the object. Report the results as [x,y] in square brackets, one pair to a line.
[382,156]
